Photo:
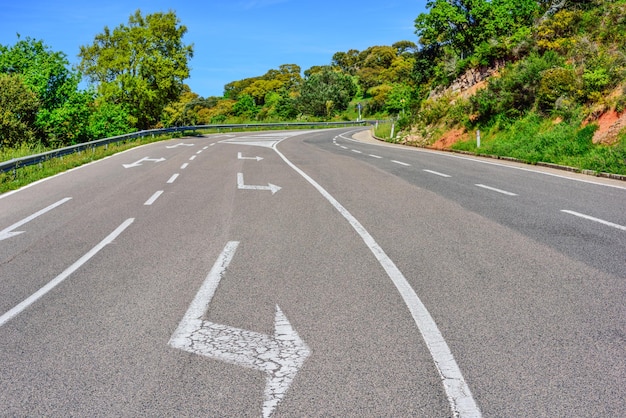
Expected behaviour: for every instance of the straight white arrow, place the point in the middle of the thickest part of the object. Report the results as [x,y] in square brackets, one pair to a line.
[8,232]
[182,144]
[241,186]
[138,163]
[279,356]
[241,157]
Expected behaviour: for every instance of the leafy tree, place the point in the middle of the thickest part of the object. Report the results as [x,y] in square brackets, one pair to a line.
[18,108]
[43,70]
[141,65]
[245,106]
[325,93]
[464,24]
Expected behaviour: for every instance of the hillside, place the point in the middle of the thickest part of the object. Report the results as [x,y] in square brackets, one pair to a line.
[557,95]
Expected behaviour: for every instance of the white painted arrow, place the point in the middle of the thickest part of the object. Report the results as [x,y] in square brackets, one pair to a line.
[279,356]
[240,157]
[8,232]
[240,185]
[182,144]
[138,163]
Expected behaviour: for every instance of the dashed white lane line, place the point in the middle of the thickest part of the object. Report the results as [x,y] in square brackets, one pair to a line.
[153,198]
[341,146]
[459,395]
[173,178]
[193,157]
[357,151]
[591,218]
[437,173]
[199,152]
[182,167]
[401,163]
[64,275]
[493,189]
[374,156]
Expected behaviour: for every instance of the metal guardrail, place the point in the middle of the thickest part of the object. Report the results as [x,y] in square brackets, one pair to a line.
[16,163]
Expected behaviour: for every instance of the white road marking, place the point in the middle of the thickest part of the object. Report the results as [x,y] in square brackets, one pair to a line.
[357,151]
[199,152]
[401,163]
[437,173]
[153,198]
[374,156]
[207,147]
[181,144]
[8,232]
[493,189]
[173,178]
[193,157]
[241,186]
[280,356]
[241,157]
[182,167]
[459,395]
[138,162]
[341,146]
[61,277]
[591,218]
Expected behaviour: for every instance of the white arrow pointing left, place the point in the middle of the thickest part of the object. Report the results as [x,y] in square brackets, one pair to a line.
[241,186]
[138,163]
[181,144]
[8,232]
[279,356]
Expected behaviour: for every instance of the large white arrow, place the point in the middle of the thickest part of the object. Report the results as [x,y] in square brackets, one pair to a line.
[8,232]
[138,163]
[240,185]
[280,356]
[241,157]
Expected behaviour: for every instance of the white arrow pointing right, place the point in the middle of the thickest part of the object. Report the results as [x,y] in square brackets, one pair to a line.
[241,186]
[241,157]
[280,356]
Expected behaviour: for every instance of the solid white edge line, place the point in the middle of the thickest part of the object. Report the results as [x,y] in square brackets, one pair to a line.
[591,218]
[153,198]
[64,275]
[459,395]
[493,189]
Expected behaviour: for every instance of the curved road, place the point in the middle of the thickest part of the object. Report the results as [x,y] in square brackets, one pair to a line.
[312,273]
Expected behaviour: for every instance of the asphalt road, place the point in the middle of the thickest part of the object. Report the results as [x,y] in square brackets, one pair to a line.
[312,274]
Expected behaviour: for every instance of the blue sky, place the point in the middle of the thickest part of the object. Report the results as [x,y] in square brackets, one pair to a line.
[233,39]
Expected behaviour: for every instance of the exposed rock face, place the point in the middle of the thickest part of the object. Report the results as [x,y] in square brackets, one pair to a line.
[610,124]
[467,80]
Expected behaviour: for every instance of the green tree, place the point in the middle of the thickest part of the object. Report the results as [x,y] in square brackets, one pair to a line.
[141,65]
[18,108]
[464,24]
[325,93]
[46,72]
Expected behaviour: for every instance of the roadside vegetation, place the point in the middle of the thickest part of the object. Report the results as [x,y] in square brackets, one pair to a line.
[543,81]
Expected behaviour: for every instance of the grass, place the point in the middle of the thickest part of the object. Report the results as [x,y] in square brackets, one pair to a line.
[383,131]
[22,176]
[534,139]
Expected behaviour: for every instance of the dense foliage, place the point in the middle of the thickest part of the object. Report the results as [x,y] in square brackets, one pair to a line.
[560,61]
